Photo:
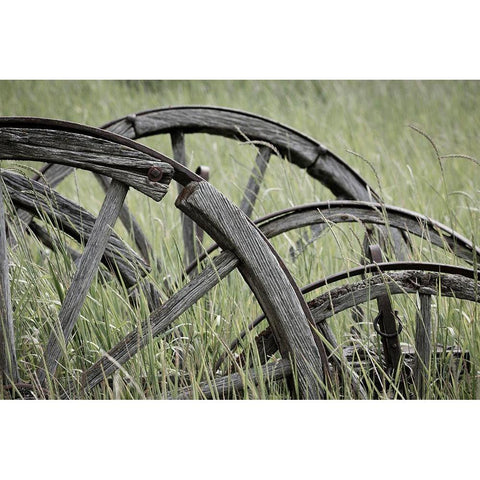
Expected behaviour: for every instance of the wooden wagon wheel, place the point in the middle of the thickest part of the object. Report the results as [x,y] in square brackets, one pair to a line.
[272,138]
[129,164]
[412,223]
[426,280]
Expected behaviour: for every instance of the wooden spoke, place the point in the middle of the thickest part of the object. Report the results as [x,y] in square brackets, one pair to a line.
[255,180]
[39,201]
[188,227]
[423,341]
[160,319]
[132,226]
[84,274]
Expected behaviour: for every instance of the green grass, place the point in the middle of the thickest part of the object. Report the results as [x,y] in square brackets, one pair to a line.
[400,136]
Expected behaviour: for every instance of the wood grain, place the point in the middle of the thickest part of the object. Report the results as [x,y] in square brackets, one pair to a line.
[423,344]
[40,201]
[256,178]
[84,274]
[393,283]
[267,277]
[188,228]
[160,319]
[78,150]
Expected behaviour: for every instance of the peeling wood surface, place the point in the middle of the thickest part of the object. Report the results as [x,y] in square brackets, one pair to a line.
[80,151]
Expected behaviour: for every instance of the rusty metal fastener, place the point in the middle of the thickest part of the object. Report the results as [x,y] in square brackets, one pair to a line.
[155,174]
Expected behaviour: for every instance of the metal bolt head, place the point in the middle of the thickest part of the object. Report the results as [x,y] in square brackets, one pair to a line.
[155,174]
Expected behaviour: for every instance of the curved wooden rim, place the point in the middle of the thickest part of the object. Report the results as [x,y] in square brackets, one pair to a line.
[318,154]
[182,174]
[340,211]
[379,268]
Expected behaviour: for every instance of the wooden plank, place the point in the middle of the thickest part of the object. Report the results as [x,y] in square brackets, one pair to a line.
[8,357]
[84,274]
[267,277]
[256,178]
[423,347]
[160,319]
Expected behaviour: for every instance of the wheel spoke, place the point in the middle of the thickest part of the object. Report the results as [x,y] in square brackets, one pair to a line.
[423,347]
[160,319]
[255,180]
[188,228]
[84,274]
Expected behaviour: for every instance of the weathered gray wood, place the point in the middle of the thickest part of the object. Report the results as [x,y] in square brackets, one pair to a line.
[117,161]
[226,386]
[267,277]
[52,174]
[389,271]
[300,149]
[40,201]
[412,281]
[256,178]
[52,243]
[132,226]
[160,319]
[348,211]
[368,213]
[8,357]
[177,138]
[230,123]
[84,274]
[423,341]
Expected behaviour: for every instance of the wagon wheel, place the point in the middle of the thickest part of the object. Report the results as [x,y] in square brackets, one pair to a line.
[273,139]
[427,280]
[129,164]
[412,223]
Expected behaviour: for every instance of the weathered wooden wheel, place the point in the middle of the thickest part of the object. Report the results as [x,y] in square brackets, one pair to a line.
[129,164]
[271,138]
[298,331]
[411,223]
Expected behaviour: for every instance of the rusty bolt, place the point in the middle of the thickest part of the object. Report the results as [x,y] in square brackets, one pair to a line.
[155,174]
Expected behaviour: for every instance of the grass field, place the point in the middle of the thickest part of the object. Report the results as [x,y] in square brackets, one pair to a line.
[415,142]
